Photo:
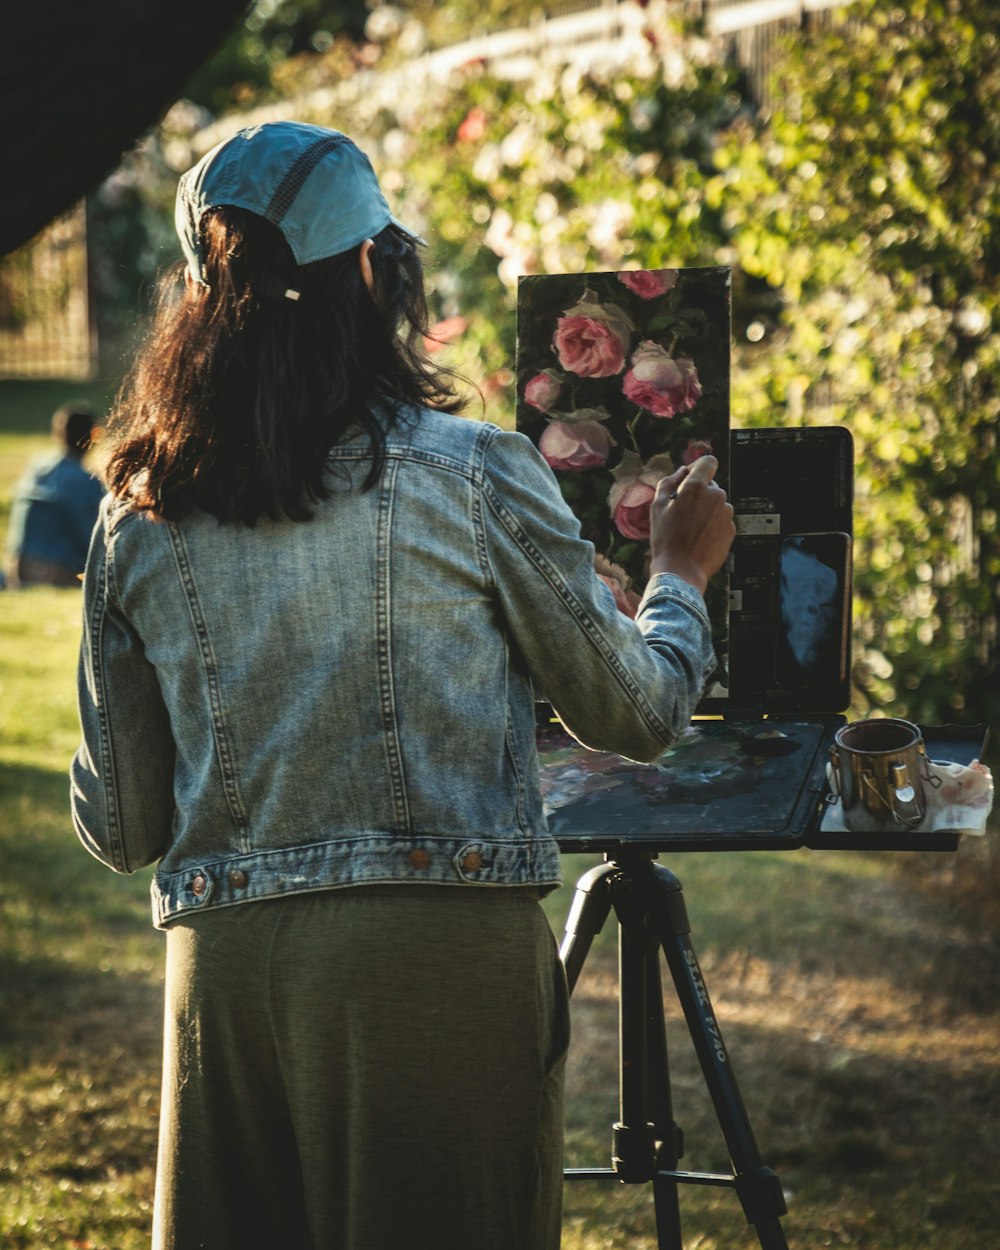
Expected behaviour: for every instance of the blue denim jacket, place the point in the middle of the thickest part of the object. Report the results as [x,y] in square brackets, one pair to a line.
[306,705]
[53,512]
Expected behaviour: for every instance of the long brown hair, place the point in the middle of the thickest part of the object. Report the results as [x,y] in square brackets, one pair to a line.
[239,392]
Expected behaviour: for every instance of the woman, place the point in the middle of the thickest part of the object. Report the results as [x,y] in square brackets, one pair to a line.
[315,607]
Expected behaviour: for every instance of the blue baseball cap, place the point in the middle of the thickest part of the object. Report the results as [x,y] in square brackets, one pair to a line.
[314,184]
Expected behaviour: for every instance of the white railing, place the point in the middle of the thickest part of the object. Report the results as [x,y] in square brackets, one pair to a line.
[608,32]
[610,21]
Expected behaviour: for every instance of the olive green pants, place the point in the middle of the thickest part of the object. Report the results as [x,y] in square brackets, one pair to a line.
[376,1068]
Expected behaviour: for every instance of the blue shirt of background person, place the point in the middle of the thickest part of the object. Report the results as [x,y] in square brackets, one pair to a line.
[55,508]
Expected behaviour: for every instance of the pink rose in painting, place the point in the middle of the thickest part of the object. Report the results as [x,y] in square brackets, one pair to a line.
[542,390]
[695,449]
[631,516]
[618,582]
[575,444]
[626,601]
[662,384]
[588,347]
[648,283]
[632,494]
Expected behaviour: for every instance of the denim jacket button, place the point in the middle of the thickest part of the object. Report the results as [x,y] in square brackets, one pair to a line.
[198,885]
[472,862]
[420,859]
[237,878]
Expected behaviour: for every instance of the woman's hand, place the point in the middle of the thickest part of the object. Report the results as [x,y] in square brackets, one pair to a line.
[691,524]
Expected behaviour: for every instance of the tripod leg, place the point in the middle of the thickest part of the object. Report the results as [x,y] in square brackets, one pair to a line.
[758,1188]
[668,1135]
[645,1138]
[634,1149]
[587,914]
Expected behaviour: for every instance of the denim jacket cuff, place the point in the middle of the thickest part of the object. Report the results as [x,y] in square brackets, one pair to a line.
[662,585]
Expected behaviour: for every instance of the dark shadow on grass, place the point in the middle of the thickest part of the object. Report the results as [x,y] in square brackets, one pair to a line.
[52,1007]
[875,1130]
[45,863]
[59,907]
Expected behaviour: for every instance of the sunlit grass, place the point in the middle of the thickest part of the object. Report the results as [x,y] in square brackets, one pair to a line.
[79,972]
[862,1024]
[861,1017]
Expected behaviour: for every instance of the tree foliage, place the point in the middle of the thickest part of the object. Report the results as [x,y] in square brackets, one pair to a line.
[277,36]
[861,221]
[570,171]
[870,201]
[286,46]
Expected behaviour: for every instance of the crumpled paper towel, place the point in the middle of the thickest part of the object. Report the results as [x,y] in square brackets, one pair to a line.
[959,799]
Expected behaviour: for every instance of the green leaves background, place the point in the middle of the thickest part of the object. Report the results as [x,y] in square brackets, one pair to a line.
[860,218]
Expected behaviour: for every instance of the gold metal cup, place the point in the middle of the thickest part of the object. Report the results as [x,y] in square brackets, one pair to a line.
[880,766]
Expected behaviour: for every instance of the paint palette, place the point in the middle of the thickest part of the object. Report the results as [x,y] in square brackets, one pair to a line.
[723,785]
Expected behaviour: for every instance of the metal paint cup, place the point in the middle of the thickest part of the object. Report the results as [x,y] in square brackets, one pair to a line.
[879,770]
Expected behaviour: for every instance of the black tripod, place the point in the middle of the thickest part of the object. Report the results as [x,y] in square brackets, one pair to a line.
[649,905]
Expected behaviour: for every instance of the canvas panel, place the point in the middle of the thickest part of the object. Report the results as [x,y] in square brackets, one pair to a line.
[621,378]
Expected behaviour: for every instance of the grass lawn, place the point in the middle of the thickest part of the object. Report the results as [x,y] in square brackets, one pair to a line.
[862,1018]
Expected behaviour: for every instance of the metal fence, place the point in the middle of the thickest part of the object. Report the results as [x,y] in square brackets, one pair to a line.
[616,30]
[45,323]
[749,32]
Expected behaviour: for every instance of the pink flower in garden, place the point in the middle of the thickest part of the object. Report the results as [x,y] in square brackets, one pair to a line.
[632,494]
[662,384]
[618,582]
[648,283]
[575,444]
[695,449]
[472,126]
[443,332]
[588,347]
[543,389]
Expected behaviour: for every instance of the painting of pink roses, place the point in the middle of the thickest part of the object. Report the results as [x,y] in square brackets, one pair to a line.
[621,378]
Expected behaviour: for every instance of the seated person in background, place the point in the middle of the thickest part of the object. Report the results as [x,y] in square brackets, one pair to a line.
[55,507]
